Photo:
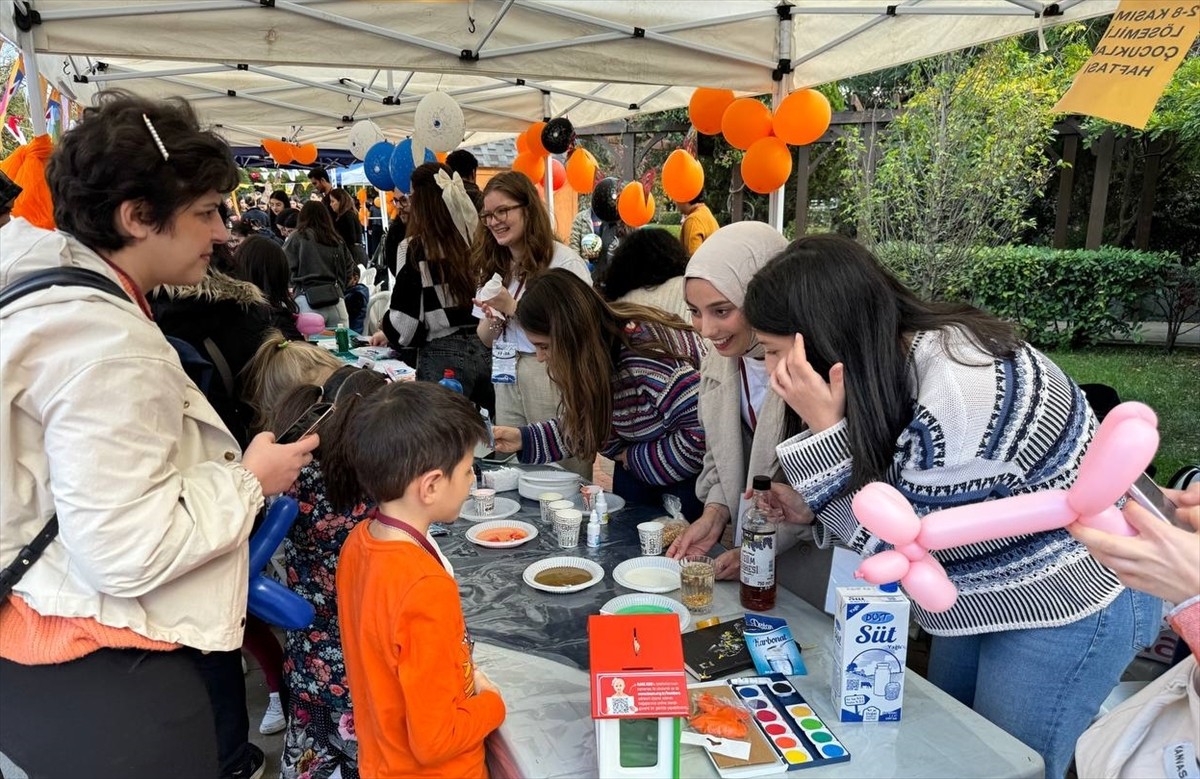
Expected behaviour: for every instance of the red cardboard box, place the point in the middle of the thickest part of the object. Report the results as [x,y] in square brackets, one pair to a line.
[637,666]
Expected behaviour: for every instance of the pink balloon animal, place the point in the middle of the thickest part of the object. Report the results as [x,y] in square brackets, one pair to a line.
[1122,448]
[309,324]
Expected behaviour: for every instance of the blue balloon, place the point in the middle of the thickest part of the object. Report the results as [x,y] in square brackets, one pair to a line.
[269,600]
[375,165]
[402,166]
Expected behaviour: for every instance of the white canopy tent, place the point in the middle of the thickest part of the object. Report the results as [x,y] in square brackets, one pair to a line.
[305,70]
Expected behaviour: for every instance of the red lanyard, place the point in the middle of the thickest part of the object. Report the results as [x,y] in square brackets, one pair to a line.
[746,394]
[131,287]
[407,530]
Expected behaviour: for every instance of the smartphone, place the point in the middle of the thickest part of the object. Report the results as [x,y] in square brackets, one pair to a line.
[497,458]
[306,424]
[1148,495]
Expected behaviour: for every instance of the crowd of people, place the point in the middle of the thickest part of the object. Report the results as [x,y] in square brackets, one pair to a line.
[143,405]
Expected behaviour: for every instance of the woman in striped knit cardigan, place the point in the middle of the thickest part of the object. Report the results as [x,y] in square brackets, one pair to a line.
[948,406]
[629,378]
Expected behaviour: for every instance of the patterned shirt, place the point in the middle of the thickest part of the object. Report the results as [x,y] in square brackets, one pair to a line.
[421,308]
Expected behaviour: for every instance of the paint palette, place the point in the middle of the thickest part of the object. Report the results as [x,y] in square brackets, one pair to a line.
[796,732]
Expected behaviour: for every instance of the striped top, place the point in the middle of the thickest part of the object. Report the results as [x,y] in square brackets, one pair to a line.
[419,298]
[656,421]
[984,430]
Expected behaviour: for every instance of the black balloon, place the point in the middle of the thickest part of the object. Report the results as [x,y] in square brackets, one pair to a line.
[557,135]
[604,199]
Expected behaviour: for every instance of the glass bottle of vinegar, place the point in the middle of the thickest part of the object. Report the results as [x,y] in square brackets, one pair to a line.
[758,553]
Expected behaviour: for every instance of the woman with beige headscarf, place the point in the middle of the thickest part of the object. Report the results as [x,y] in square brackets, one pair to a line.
[742,418]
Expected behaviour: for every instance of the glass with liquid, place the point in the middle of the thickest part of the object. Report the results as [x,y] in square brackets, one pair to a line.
[697,574]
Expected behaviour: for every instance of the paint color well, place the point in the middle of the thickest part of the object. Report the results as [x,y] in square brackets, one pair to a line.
[782,688]
[785,742]
[811,724]
[821,736]
[747,692]
[775,729]
[766,716]
[800,711]
[795,756]
[832,750]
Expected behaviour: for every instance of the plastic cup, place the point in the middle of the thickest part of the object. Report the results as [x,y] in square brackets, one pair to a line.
[566,526]
[589,492]
[556,506]
[697,574]
[544,500]
[650,534]
[485,501]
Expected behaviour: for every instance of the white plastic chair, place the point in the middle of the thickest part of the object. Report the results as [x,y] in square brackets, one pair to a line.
[377,309]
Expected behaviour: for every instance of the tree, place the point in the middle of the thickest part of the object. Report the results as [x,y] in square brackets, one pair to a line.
[959,167]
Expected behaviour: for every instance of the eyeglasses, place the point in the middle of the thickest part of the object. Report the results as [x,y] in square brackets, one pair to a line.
[499,215]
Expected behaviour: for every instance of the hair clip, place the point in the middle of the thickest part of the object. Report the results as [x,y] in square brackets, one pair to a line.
[282,344]
[161,146]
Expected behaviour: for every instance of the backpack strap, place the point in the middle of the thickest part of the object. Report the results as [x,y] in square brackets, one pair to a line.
[26,285]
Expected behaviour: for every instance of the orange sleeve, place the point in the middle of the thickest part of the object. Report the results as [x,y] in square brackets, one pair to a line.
[437,671]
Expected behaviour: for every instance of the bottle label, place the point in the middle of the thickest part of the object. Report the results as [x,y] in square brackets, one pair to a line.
[758,559]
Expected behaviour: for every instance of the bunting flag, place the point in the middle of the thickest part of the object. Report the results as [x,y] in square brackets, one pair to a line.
[54,114]
[12,124]
[16,77]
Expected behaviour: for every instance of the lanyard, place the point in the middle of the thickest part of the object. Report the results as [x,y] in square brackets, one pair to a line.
[746,394]
[408,530]
[516,295]
[131,287]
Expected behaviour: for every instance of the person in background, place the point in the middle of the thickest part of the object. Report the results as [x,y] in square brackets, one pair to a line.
[8,198]
[422,707]
[277,203]
[319,260]
[629,377]
[345,218]
[397,229]
[375,230]
[698,223]
[253,214]
[240,231]
[465,165]
[322,186]
[278,367]
[286,222]
[102,430]
[517,243]
[945,403]
[357,298]
[598,251]
[647,270]
[262,262]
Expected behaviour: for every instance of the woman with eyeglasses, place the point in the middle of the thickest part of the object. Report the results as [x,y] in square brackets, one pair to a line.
[431,301]
[517,243]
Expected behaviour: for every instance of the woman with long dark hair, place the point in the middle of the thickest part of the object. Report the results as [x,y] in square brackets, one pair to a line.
[945,403]
[647,269]
[629,377]
[262,262]
[345,217]
[277,203]
[319,261]
[431,301]
[517,243]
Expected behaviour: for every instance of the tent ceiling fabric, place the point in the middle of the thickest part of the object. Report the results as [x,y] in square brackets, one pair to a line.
[308,61]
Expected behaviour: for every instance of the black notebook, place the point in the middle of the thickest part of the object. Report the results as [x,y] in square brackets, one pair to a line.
[717,650]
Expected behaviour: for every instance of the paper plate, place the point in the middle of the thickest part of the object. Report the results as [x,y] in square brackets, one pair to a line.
[534,483]
[473,535]
[648,574]
[504,507]
[563,562]
[642,603]
[614,502]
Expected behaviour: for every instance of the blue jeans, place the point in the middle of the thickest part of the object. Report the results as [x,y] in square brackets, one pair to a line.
[1044,685]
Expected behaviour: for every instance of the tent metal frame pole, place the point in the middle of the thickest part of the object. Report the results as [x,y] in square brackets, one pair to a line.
[508,4]
[533,48]
[137,9]
[548,174]
[254,98]
[129,75]
[963,10]
[838,41]
[371,29]
[783,46]
[368,89]
[544,87]
[240,92]
[1032,5]
[580,101]
[307,82]
[407,104]
[34,96]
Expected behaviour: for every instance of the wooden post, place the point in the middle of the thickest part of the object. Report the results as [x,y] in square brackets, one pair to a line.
[1066,183]
[629,141]
[1150,169]
[737,188]
[1104,161]
[802,173]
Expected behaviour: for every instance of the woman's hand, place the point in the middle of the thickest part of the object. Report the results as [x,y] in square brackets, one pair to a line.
[276,466]
[784,504]
[821,404]
[700,536]
[508,439]
[378,338]
[1162,559]
[1187,504]
[503,302]
[728,565]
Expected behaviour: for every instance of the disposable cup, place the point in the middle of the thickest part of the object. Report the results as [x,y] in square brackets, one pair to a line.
[650,534]
[566,526]
[544,501]
[485,500]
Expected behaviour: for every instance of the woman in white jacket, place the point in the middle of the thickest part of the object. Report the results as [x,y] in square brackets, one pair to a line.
[101,426]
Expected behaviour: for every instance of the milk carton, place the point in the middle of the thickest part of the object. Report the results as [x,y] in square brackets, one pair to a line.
[870,626]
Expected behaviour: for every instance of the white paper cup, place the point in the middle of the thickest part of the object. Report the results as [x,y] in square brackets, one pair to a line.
[589,492]
[485,501]
[555,506]
[566,526]
[544,500]
[650,534]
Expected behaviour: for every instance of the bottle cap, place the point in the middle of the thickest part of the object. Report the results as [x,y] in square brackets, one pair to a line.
[707,622]
[448,373]
[890,587]
[761,483]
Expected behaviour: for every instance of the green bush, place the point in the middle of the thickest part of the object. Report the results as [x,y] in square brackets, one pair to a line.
[1066,298]
[668,218]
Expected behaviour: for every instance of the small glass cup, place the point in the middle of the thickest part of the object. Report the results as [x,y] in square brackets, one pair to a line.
[485,501]
[566,526]
[697,574]
[650,534]
[544,500]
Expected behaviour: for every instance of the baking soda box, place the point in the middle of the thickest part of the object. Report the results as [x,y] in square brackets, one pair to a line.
[870,628]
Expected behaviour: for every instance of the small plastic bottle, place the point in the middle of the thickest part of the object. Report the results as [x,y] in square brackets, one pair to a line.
[342,334]
[593,529]
[487,422]
[449,382]
[601,506]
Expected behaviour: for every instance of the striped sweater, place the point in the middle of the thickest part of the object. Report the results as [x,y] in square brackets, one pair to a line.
[980,431]
[655,420]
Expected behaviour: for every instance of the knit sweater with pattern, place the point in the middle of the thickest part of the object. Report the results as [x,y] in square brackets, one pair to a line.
[983,430]
[655,417]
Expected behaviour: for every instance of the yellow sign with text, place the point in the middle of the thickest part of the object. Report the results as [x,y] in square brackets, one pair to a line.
[1143,46]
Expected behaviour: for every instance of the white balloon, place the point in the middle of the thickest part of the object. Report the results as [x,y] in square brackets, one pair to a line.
[438,124]
[364,135]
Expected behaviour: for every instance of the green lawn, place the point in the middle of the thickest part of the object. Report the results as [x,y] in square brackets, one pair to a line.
[1168,383]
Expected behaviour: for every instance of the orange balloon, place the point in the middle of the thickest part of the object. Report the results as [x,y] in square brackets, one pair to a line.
[441,155]
[682,176]
[767,165]
[280,151]
[306,154]
[745,121]
[531,165]
[533,136]
[581,171]
[635,206]
[706,108]
[522,144]
[362,196]
[802,117]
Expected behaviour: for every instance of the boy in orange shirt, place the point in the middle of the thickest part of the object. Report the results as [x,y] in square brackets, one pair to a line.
[421,707]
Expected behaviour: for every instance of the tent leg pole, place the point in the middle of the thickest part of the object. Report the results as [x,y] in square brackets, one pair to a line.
[33,84]
[775,199]
[548,176]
